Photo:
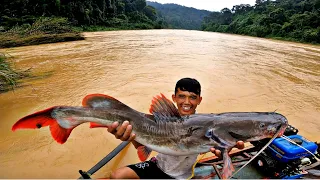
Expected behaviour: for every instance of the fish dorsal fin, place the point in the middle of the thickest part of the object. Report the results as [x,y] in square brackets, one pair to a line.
[163,109]
[103,101]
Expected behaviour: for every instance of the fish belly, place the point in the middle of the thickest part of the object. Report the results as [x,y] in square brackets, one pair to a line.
[173,150]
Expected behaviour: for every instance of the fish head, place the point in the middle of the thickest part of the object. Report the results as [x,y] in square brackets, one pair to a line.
[278,125]
[274,123]
[259,126]
[249,126]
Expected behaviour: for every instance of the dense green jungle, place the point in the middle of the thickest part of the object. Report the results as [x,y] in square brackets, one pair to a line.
[295,20]
[31,22]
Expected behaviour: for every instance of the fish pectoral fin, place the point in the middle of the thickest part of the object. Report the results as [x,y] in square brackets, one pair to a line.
[227,165]
[97,125]
[143,153]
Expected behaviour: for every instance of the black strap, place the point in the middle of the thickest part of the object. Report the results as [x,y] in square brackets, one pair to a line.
[105,160]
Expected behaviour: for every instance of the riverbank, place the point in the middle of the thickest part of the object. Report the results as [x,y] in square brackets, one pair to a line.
[43,30]
[19,38]
[15,40]
[51,30]
[9,77]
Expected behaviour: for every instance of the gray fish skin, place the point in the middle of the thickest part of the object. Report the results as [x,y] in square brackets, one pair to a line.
[165,131]
[194,134]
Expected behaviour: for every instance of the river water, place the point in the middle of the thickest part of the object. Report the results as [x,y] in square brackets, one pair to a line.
[237,73]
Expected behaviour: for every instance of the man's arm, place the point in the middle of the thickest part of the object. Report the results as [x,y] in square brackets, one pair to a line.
[124,132]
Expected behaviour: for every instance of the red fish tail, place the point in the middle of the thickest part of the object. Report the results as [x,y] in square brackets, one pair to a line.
[41,119]
[36,120]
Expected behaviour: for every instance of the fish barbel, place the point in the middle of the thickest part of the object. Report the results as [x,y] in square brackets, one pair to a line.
[164,130]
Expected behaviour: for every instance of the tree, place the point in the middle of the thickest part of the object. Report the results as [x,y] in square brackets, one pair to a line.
[226,16]
[150,12]
[120,5]
[242,8]
[278,16]
[291,19]
[140,4]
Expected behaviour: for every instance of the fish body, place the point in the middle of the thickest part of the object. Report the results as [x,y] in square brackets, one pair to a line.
[164,130]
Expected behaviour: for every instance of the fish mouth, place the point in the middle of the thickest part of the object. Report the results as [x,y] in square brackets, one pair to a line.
[279,131]
[282,126]
[282,129]
[239,136]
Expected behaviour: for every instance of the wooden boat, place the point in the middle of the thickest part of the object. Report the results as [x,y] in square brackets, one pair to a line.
[280,160]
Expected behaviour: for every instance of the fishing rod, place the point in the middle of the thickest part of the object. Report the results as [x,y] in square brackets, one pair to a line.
[102,162]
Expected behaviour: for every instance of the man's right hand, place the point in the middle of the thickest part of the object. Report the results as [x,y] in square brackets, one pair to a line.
[239,145]
[124,132]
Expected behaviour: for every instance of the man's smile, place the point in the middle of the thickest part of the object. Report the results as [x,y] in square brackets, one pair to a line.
[186,108]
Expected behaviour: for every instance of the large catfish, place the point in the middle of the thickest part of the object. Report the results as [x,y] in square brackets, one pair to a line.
[164,130]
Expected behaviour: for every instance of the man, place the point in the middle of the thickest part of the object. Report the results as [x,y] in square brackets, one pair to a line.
[187,98]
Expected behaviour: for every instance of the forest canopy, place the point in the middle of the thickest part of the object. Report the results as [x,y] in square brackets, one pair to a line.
[297,20]
[109,13]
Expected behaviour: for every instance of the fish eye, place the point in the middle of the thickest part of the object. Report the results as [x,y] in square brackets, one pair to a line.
[209,133]
[262,125]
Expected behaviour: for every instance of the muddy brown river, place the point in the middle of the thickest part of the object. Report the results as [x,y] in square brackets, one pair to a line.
[237,73]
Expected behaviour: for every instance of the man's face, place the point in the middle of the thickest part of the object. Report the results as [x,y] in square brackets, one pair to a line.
[186,101]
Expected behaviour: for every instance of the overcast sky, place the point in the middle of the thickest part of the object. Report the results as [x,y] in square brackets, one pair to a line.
[210,5]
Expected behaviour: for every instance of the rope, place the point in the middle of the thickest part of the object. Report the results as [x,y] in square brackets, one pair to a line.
[194,165]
